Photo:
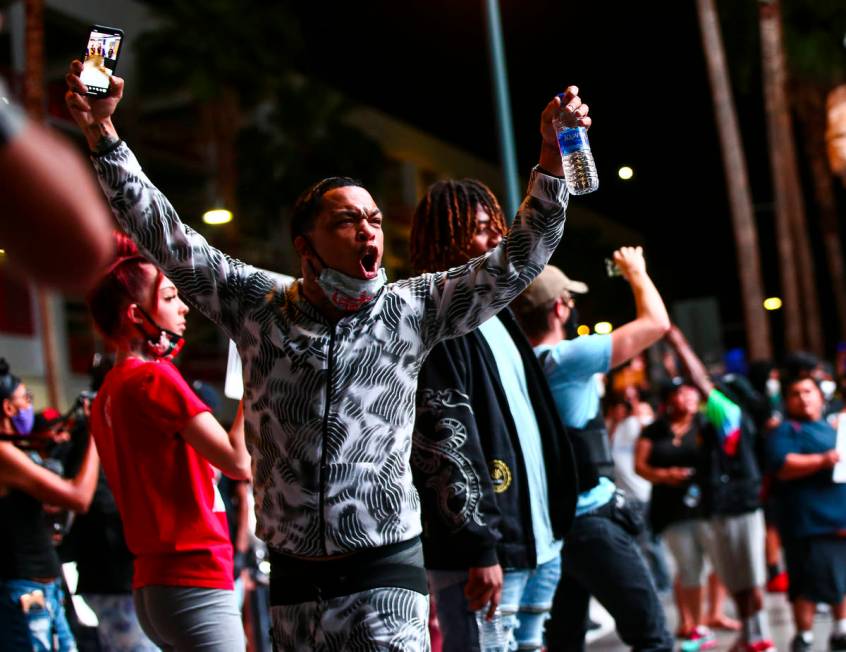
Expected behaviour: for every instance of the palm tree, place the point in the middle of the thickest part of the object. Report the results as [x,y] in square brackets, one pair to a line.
[810,107]
[815,59]
[740,199]
[33,99]
[229,56]
[791,225]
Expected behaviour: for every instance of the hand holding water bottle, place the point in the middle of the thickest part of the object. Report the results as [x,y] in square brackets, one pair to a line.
[564,109]
[570,124]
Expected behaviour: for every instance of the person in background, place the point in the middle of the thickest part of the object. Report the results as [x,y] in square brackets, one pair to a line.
[96,543]
[601,556]
[159,443]
[713,471]
[624,428]
[810,510]
[32,615]
[491,463]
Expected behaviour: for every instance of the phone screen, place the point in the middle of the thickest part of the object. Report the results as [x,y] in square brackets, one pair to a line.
[100,59]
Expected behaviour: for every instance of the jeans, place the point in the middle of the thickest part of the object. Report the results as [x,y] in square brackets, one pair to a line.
[525,604]
[40,629]
[603,560]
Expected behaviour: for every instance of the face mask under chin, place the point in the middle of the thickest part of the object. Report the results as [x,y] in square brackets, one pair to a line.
[348,293]
[166,344]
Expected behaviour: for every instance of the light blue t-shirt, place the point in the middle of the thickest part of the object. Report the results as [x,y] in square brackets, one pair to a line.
[570,367]
[512,375]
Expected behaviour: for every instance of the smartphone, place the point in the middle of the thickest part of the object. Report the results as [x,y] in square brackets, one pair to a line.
[100,58]
[612,269]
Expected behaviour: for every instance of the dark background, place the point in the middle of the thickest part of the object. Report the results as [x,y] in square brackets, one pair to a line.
[643,73]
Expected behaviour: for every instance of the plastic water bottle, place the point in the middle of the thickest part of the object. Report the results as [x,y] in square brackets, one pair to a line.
[579,167]
[491,632]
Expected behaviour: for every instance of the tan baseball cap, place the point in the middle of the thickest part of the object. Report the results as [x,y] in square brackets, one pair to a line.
[550,284]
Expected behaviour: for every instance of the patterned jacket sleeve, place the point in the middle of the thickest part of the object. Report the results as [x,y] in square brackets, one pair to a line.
[458,300]
[219,286]
[450,471]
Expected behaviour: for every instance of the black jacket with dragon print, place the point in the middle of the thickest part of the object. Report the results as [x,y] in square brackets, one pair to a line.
[467,460]
[330,407]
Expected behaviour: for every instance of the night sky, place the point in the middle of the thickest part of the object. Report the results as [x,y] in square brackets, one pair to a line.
[643,74]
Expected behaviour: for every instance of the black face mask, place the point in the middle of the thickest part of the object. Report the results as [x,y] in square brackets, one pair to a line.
[571,326]
[165,344]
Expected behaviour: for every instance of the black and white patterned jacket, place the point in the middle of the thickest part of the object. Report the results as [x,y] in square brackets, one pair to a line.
[330,407]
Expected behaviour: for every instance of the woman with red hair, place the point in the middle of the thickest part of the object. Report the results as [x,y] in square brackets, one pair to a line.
[158,443]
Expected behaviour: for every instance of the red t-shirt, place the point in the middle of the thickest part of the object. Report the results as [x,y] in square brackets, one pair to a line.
[173,516]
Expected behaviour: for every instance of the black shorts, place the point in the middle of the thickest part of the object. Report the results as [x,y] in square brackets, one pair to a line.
[817,568]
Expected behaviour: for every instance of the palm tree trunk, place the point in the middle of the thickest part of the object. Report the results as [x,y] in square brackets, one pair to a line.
[811,108]
[33,85]
[221,118]
[740,199]
[33,99]
[794,248]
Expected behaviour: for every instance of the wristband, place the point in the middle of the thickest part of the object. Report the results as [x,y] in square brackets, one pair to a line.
[108,150]
[547,172]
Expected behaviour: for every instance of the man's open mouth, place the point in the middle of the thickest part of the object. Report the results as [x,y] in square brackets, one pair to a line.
[369,261]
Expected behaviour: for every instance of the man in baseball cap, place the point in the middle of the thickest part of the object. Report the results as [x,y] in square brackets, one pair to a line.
[602,556]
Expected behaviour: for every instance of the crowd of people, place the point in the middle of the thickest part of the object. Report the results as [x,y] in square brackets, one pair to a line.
[427,456]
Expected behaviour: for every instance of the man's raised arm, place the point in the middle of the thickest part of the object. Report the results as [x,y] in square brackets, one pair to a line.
[460,299]
[218,285]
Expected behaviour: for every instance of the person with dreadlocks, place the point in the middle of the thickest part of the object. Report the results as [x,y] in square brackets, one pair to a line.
[492,464]
[330,365]
[32,615]
[158,442]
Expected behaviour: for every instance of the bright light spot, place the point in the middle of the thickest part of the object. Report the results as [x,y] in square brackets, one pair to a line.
[217,216]
[772,303]
[583,330]
[264,567]
[625,173]
[2,252]
[603,328]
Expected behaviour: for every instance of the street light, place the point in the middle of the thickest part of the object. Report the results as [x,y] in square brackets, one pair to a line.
[625,173]
[217,216]
[772,303]
[603,328]
[583,330]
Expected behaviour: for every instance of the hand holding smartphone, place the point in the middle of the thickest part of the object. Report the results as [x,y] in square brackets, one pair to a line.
[100,58]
